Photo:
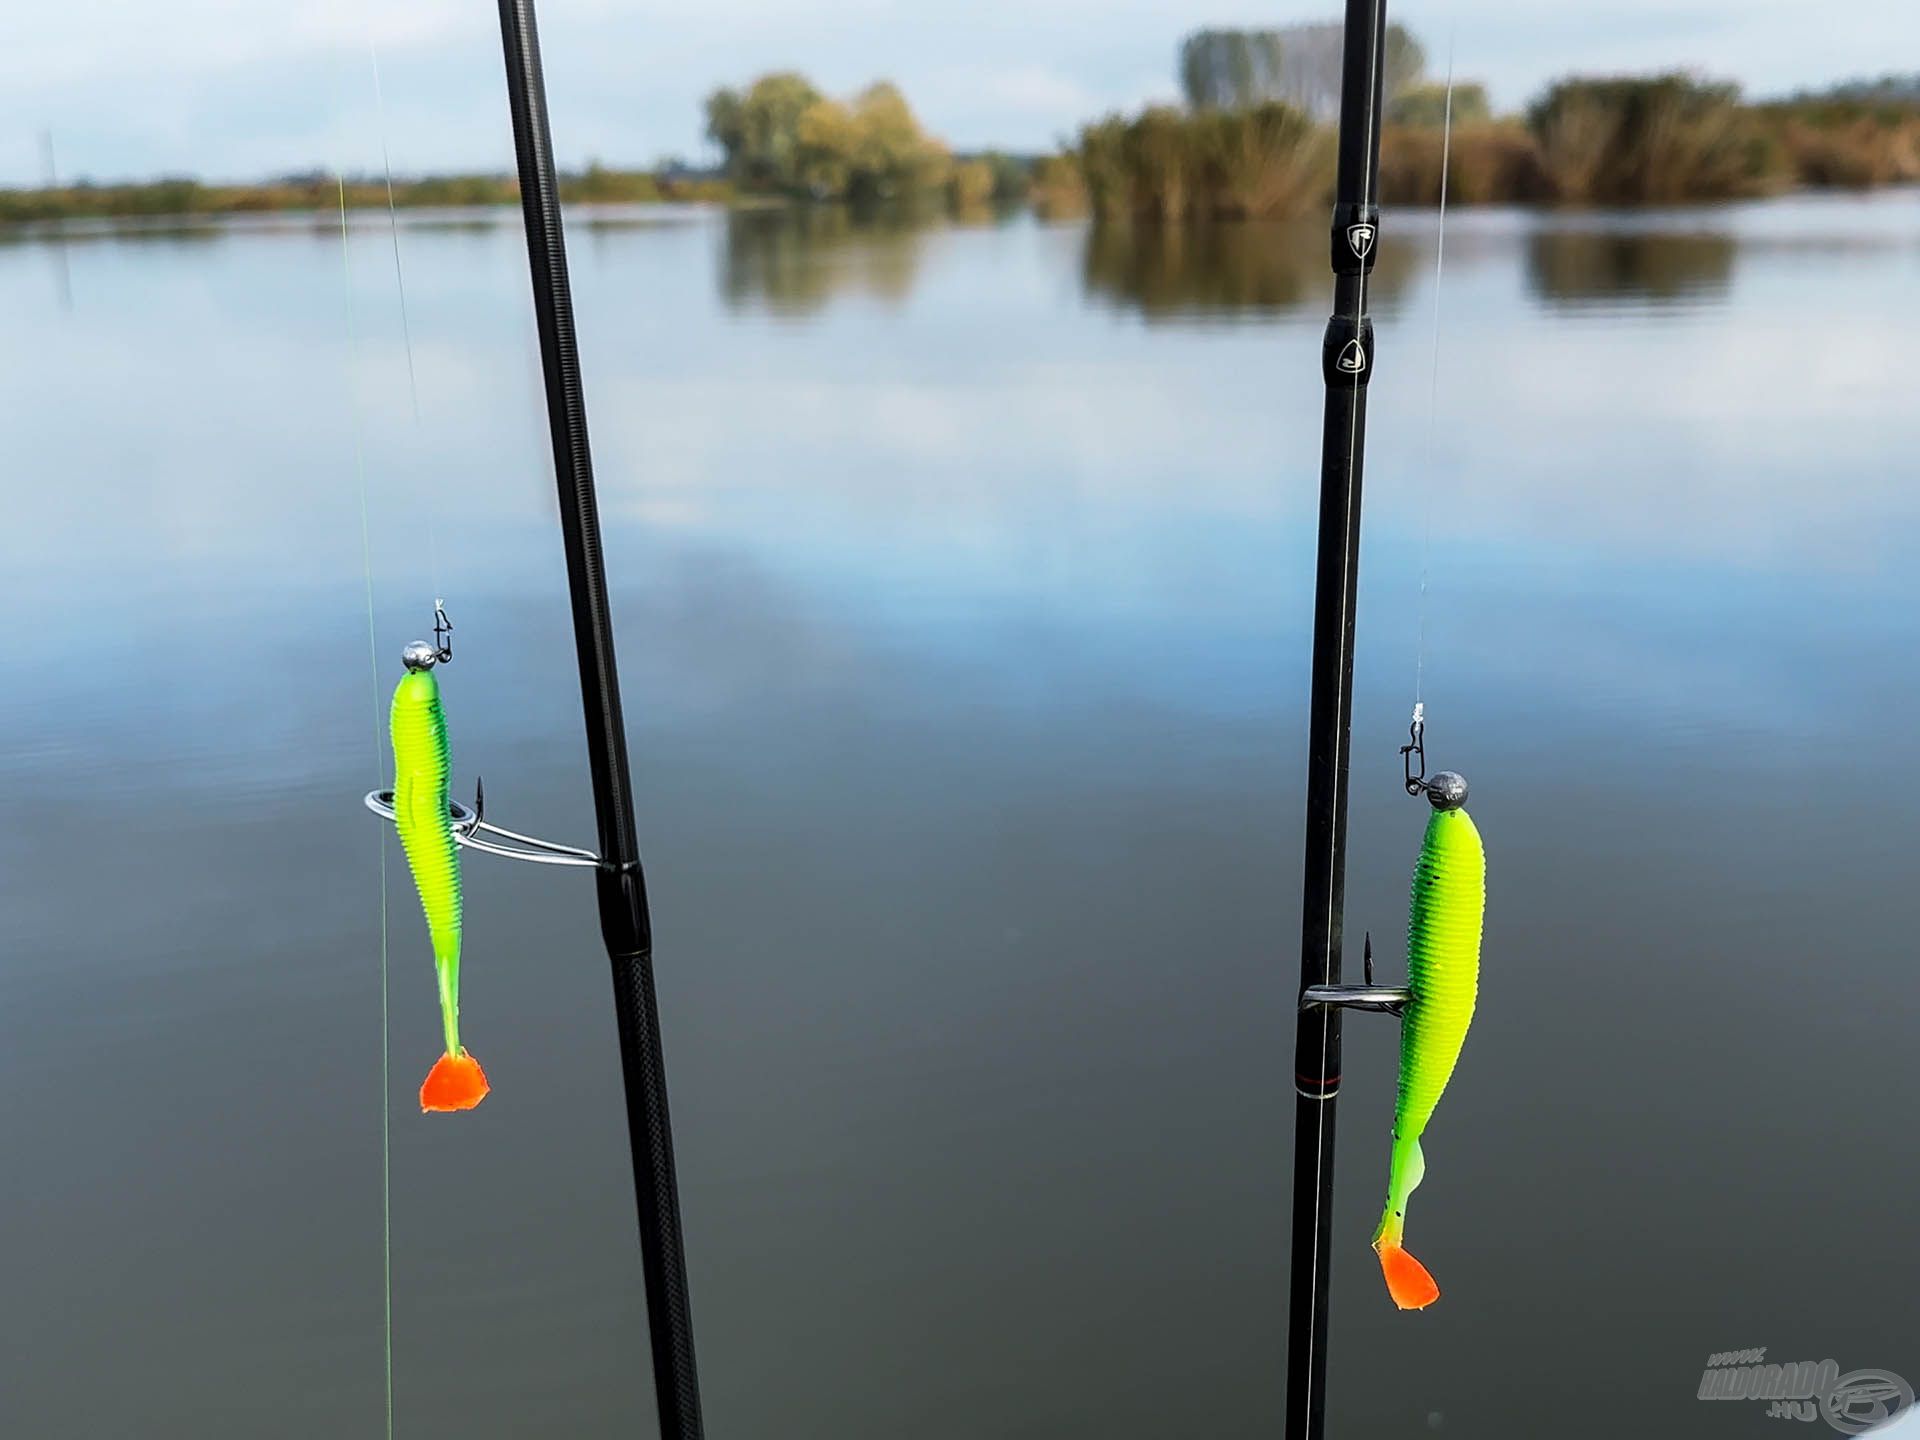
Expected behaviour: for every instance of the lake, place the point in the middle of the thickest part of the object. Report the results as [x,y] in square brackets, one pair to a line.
[963,580]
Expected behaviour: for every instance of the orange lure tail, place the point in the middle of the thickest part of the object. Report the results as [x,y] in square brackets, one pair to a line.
[1408,1282]
[456,1082]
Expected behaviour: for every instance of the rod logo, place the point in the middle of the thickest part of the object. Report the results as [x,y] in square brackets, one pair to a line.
[1353,359]
[1360,239]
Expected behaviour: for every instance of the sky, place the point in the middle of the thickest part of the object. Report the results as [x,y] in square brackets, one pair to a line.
[242,89]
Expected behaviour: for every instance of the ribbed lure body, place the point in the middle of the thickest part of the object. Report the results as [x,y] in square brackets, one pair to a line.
[1443,971]
[423,813]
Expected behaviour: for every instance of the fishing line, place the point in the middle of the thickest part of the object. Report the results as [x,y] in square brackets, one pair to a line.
[62,267]
[379,775]
[406,324]
[1433,402]
[393,223]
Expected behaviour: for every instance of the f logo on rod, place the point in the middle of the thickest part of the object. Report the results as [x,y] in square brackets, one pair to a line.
[1360,239]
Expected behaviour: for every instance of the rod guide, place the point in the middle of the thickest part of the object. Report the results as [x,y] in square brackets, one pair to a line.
[475,833]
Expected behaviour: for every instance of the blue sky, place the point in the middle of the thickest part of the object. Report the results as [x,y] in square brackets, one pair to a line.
[242,88]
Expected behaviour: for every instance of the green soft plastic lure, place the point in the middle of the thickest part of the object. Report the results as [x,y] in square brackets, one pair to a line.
[424,815]
[1443,971]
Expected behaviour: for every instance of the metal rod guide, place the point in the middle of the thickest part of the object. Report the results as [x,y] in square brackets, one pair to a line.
[474,833]
[1367,997]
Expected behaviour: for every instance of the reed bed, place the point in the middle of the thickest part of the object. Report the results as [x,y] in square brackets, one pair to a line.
[1653,140]
[1635,140]
[1262,163]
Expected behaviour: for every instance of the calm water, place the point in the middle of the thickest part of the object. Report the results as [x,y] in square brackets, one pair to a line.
[964,579]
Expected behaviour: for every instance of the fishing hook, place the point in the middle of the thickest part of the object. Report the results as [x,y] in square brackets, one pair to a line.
[1367,996]
[472,832]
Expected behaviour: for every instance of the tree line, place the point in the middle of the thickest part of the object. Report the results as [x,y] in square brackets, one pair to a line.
[1255,137]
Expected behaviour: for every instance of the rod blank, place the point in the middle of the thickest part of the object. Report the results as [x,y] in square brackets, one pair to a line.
[624,921]
[1347,367]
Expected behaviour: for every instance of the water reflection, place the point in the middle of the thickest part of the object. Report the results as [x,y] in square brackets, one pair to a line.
[1580,266]
[172,230]
[793,261]
[966,640]
[1174,270]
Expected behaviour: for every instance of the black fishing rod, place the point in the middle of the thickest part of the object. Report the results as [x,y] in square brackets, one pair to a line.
[622,889]
[1346,360]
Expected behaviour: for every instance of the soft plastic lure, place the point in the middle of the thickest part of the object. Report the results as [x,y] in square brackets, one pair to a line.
[1443,971]
[422,811]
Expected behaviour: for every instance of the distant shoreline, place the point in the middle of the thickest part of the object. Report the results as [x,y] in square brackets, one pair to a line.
[178,198]
[1628,143]
[1254,139]
[325,219]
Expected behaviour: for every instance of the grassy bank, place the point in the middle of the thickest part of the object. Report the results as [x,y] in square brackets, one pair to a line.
[180,196]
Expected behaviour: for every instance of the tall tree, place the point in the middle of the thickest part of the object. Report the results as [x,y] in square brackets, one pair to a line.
[760,131]
[1297,65]
[1230,69]
[784,135]
[1406,60]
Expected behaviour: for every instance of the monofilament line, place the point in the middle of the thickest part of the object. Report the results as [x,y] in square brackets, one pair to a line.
[400,283]
[379,776]
[1433,395]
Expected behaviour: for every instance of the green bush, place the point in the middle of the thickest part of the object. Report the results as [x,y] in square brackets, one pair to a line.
[782,136]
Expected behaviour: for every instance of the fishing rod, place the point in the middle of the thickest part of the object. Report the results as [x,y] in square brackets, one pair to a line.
[1448,902]
[1347,366]
[624,922]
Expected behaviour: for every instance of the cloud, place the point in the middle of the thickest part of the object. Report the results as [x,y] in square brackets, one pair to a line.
[90,42]
[1026,91]
[233,87]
